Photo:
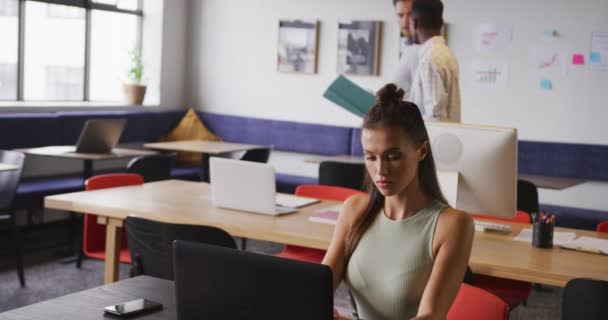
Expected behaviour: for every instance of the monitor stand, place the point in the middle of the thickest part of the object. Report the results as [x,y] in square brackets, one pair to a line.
[448,181]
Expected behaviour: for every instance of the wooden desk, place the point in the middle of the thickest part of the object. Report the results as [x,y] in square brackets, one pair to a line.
[89,304]
[201,146]
[212,148]
[88,158]
[176,201]
[186,202]
[555,183]
[337,158]
[7,167]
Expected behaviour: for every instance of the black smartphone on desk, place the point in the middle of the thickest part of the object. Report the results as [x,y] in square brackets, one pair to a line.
[133,307]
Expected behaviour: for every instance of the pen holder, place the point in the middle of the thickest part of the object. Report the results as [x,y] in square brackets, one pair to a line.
[542,235]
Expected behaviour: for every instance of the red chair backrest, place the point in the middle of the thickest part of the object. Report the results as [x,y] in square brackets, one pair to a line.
[473,303]
[602,227]
[325,192]
[112,180]
[520,216]
[94,238]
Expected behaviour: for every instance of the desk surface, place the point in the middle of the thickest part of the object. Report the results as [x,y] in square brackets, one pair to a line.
[177,201]
[201,146]
[7,167]
[89,304]
[66,152]
[555,183]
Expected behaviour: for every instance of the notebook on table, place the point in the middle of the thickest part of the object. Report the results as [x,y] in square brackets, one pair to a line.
[327,215]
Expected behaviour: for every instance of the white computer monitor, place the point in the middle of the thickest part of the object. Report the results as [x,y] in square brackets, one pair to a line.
[484,160]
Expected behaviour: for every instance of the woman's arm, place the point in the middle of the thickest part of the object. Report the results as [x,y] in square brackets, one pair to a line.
[335,256]
[454,238]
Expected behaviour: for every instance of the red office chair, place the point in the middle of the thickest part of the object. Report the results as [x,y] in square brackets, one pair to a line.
[602,227]
[473,303]
[513,292]
[319,192]
[94,238]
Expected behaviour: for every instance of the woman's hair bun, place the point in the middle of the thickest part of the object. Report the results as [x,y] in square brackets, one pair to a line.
[389,94]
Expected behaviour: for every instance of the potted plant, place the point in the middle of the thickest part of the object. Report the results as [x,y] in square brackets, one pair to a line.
[135,88]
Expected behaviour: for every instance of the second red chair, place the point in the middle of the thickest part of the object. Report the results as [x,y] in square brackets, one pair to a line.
[513,292]
[602,227]
[473,303]
[320,192]
[94,238]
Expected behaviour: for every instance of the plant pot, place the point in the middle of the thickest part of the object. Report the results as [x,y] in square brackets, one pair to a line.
[134,93]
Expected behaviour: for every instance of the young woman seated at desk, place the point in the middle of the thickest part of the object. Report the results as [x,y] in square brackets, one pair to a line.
[400,248]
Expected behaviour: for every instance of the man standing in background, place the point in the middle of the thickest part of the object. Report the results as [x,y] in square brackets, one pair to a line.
[435,87]
[408,63]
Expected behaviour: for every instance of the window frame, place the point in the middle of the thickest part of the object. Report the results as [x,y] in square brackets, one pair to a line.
[89,6]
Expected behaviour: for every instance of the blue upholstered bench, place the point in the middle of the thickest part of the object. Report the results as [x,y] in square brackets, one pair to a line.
[28,130]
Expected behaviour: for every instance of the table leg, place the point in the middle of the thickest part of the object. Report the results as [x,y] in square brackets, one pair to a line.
[205,168]
[113,238]
[87,170]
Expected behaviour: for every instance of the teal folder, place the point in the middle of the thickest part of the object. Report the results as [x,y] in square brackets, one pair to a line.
[350,96]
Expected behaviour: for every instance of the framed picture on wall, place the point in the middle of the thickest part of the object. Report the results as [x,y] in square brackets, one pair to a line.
[358,47]
[297,48]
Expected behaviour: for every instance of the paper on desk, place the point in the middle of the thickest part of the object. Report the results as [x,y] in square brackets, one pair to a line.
[589,243]
[558,237]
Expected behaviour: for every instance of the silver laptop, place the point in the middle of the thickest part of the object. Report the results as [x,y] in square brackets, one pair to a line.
[100,135]
[244,185]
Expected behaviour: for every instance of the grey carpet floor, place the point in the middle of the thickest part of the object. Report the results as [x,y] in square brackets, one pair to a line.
[47,278]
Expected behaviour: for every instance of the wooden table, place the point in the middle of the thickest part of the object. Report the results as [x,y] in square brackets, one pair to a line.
[88,158]
[89,304]
[176,201]
[554,183]
[201,146]
[8,167]
[211,148]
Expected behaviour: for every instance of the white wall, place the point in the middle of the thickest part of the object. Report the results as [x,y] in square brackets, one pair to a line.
[231,68]
[164,50]
[174,53]
[575,110]
[233,63]
[233,57]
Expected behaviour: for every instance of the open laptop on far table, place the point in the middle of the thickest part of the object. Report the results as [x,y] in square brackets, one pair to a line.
[220,283]
[249,186]
[100,135]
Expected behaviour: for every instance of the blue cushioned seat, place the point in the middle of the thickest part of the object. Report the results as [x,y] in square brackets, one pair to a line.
[186,173]
[31,191]
[287,183]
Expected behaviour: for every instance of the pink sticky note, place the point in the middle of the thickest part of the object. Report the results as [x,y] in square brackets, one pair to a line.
[578,59]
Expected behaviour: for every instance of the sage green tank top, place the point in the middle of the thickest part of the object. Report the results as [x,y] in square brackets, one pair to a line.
[392,263]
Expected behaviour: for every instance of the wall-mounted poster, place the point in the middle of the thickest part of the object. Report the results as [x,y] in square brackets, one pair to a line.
[358,47]
[297,49]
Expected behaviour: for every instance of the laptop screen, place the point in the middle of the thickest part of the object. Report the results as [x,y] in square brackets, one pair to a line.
[220,283]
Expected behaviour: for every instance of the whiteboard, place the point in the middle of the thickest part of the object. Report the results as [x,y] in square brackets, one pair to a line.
[575,110]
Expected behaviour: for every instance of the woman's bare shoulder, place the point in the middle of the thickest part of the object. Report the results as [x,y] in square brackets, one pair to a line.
[454,219]
[354,208]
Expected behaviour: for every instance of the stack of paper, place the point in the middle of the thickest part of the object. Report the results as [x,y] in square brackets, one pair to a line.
[350,96]
[588,244]
[558,237]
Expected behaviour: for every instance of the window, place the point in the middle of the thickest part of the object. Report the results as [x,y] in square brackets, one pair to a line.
[77,50]
[53,44]
[110,54]
[9,31]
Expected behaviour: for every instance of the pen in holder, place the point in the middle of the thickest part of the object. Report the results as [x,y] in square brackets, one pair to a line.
[542,235]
